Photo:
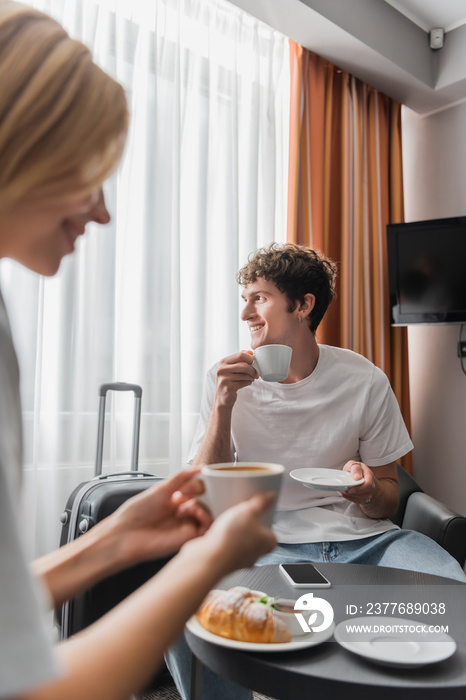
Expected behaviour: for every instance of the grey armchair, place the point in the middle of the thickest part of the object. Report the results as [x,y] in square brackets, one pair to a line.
[420,512]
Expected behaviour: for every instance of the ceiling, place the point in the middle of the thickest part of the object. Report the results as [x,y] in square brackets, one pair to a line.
[428,14]
[383,42]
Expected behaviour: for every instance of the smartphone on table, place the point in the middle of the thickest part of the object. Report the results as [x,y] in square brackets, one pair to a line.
[304,575]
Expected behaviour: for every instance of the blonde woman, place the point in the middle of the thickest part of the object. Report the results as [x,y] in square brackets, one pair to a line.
[63,126]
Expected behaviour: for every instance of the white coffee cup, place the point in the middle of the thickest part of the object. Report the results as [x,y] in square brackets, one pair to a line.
[229,483]
[272,362]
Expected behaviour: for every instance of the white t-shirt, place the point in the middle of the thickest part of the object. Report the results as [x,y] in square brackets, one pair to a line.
[344,410]
[26,652]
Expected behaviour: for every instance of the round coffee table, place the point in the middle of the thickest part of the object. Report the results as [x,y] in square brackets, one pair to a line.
[328,670]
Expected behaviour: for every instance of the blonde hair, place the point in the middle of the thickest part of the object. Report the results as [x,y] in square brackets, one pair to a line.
[63,121]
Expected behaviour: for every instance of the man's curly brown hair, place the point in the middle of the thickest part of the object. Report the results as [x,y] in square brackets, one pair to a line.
[296,271]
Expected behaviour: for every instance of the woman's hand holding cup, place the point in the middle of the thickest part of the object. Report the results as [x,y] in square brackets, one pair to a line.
[238,536]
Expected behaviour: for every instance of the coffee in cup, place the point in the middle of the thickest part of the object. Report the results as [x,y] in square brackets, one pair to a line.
[229,483]
[272,362]
[246,468]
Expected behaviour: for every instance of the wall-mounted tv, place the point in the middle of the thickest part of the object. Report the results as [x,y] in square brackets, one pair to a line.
[427,271]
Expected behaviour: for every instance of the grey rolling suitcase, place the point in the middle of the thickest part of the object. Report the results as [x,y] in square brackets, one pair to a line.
[91,502]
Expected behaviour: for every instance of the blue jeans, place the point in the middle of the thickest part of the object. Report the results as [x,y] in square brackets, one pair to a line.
[400,549]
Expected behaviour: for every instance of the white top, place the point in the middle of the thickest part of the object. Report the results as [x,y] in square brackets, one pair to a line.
[344,410]
[26,652]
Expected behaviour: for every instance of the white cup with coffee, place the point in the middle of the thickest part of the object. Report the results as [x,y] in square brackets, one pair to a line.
[272,362]
[229,483]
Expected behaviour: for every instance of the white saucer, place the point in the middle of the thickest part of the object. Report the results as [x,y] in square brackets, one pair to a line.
[327,479]
[302,642]
[406,648]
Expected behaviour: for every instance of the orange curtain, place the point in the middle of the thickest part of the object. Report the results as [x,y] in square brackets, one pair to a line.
[345,186]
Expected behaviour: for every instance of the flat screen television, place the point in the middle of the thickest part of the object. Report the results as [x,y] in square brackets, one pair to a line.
[427,271]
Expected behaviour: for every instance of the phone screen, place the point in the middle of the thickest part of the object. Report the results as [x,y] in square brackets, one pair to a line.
[304,575]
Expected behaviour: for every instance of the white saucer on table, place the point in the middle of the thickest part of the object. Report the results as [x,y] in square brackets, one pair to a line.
[300,642]
[390,647]
[327,479]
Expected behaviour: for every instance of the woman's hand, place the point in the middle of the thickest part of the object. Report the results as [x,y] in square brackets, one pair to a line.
[158,521]
[238,536]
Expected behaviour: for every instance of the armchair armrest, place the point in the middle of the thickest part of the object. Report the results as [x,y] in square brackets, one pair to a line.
[434,519]
[408,485]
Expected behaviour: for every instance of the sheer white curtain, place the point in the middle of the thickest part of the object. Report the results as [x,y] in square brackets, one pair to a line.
[152,297]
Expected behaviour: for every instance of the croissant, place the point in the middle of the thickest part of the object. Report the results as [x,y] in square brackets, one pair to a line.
[237,614]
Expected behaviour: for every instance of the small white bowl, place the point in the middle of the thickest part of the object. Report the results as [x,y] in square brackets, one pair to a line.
[287,615]
[284,610]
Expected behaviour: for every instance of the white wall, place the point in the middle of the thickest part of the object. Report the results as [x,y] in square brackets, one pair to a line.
[434,149]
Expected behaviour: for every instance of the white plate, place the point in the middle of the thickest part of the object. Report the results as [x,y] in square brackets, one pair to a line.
[302,642]
[395,648]
[327,479]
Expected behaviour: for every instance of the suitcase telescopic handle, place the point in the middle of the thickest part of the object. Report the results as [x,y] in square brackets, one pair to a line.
[103,390]
[133,475]
[120,386]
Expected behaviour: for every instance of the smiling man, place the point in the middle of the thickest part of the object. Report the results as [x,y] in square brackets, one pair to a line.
[335,410]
